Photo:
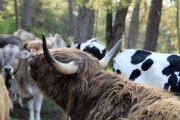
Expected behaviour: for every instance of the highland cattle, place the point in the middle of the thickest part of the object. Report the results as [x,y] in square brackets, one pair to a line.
[74,80]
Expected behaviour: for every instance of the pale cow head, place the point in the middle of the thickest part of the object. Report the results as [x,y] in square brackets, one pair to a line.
[11,56]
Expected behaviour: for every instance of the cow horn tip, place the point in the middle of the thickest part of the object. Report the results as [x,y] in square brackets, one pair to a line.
[43,35]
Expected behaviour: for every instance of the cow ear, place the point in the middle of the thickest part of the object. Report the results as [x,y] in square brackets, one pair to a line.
[24,54]
[33,51]
[58,36]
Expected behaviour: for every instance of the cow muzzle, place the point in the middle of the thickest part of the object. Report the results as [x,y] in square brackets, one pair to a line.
[8,69]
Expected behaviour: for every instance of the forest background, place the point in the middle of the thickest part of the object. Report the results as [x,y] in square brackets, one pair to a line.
[141,24]
[106,20]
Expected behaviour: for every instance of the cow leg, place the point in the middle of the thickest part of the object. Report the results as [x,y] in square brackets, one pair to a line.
[37,105]
[31,110]
[20,101]
[69,118]
[166,86]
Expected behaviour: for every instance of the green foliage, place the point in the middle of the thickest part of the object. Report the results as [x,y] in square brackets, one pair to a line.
[38,31]
[108,4]
[50,17]
[96,4]
[167,30]
[108,68]
[7,19]
[7,25]
[8,9]
[167,39]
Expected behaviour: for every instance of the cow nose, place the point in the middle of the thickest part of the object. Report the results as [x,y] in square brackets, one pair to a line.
[7,69]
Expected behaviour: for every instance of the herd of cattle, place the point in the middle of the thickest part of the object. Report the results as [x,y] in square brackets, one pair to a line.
[74,79]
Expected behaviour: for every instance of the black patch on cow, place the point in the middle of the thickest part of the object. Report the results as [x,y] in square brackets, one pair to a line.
[118,71]
[174,66]
[147,64]
[94,51]
[78,47]
[139,56]
[135,74]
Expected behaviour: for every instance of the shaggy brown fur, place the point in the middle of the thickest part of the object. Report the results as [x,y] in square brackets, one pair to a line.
[5,103]
[92,94]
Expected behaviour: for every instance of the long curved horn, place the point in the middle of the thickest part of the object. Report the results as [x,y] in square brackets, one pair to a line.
[104,61]
[65,68]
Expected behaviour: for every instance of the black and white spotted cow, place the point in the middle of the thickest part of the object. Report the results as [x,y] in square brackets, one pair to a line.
[92,46]
[155,69]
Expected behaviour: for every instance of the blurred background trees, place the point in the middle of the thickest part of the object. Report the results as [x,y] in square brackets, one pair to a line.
[142,24]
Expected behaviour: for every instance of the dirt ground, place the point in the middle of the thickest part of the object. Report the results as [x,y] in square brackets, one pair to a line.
[49,111]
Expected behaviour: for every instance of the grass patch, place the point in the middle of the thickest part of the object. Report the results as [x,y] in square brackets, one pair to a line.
[108,68]
[49,111]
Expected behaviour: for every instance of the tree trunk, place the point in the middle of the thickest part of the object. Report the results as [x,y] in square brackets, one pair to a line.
[95,24]
[26,16]
[153,25]
[16,14]
[134,27]
[119,25]
[91,24]
[109,29]
[168,44]
[71,18]
[1,3]
[177,22]
[82,24]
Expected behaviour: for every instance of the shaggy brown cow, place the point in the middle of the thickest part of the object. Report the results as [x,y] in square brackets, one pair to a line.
[74,80]
[5,102]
